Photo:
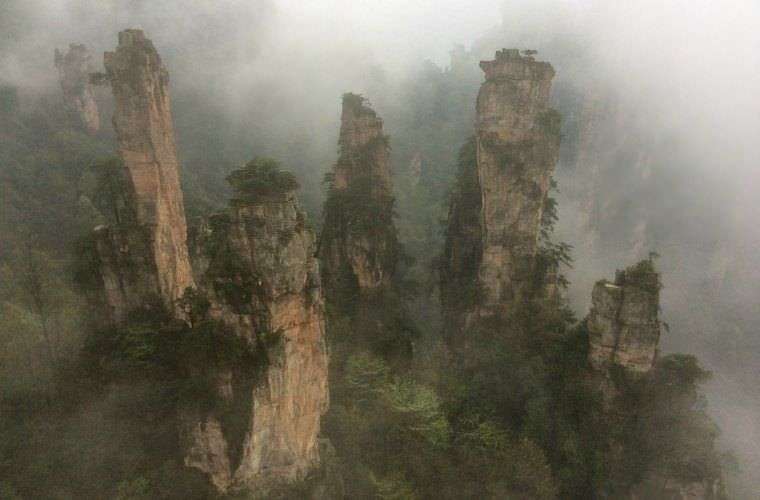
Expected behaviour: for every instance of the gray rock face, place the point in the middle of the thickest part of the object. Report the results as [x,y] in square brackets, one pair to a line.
[494,224]
[358,243]
[74,75]
[363,150]
[624,325]
[156,239]
[517,150]
[273,287]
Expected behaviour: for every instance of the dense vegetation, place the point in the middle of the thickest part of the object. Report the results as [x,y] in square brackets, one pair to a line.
[261,178]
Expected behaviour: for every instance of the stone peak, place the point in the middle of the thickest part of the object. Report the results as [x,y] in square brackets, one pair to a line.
[132,37]
[134,41]
[357,105]
[643,275]
[134,51]
[511,65]
[359,126]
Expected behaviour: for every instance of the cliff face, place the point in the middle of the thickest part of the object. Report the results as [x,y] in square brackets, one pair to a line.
[143,123]
[263,283]
[517,150]
[623,324]
[358,245]
[73,71]
[259,281]
[363,148]
[496,211]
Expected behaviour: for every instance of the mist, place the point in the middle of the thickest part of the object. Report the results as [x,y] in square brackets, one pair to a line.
[682,78]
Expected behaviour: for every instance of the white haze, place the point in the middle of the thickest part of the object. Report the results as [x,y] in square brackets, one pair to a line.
[691,69]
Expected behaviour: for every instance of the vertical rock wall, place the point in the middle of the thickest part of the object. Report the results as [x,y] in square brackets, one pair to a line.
[517,150]
[74,75]
[364,153]
[259,274]
[623,324]
[358,245]
[495,214]
[263,282]
[145,132]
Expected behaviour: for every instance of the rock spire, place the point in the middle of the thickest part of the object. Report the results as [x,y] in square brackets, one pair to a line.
[505,175]
[156,239]
[623,324]
[358,245]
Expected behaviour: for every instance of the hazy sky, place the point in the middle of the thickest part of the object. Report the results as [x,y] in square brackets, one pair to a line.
[397,30]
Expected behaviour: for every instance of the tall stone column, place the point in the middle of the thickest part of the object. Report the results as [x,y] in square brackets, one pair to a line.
[157,229]
[496,209]
[358,244]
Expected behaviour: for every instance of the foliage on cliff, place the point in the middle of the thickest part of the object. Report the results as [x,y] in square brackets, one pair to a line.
[184,357]
[357,104]
[642,275]
[230,275]
[397,440]
[260,178]
[357,209]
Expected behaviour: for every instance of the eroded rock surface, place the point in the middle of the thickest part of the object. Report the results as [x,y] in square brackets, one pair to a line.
[517,150]
[496,211]
[623,324]
[263,283]
[258,279]
[155,239]
[358,245]
[74,69]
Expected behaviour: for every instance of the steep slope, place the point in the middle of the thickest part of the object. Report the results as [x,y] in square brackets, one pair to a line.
[653,397]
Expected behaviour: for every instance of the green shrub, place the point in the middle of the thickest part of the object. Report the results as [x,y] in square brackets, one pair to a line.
[186,358]
[261,178]
[643,275]
[357,103]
